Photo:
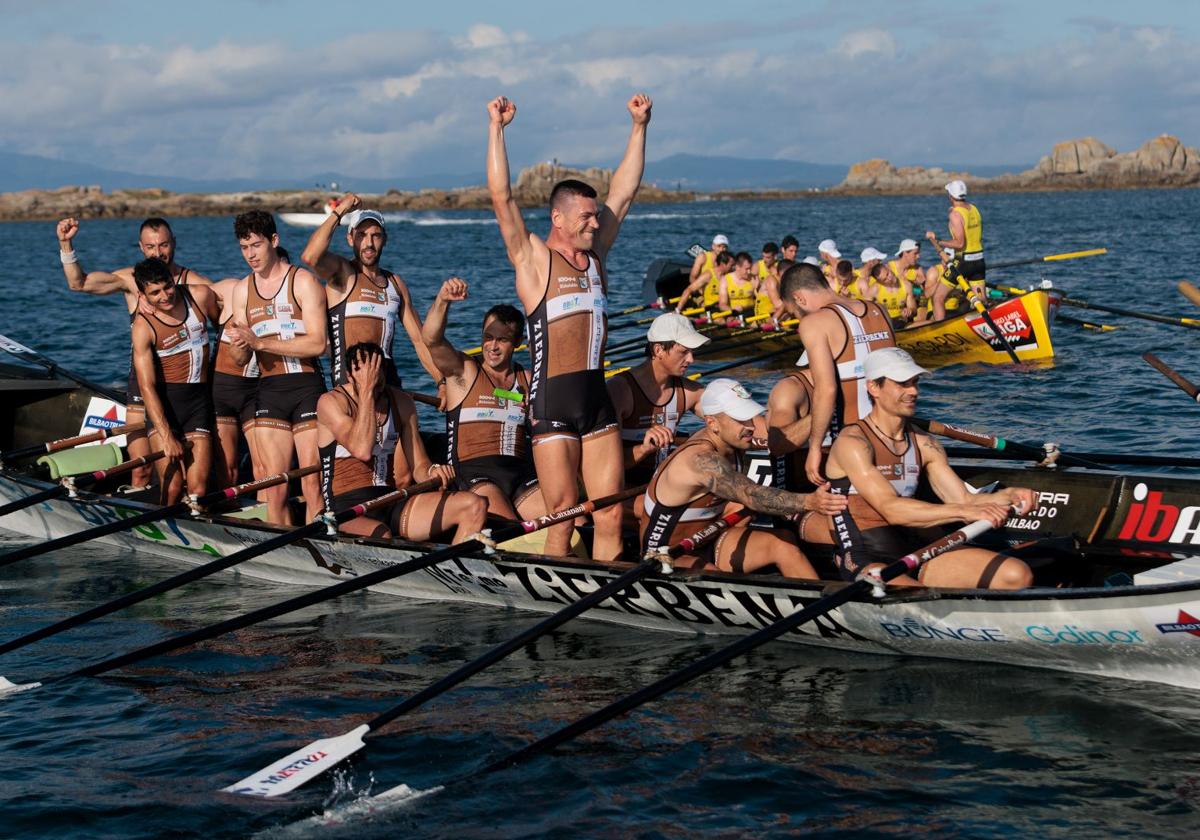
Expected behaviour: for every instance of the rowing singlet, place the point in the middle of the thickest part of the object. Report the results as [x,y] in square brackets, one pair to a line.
[763,308]
[485,425]
[973,226]
[902,471]
[664,525]
[712,290]
[644,415]
[277,317]
[341,472]
[912,274]
[568,328]
[760,268]
[741,295]
[892,298]
[369,312]
[222,363]
[181,349]
[863,334]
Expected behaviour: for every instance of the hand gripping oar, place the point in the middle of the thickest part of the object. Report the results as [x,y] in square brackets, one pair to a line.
[196,505]
[329,592]
[69,484]
[68,443]
[1049,455]
[1072,255]
[307,763]
[1175,376]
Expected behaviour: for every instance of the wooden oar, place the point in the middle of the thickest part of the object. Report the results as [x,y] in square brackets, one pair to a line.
[1175,376]
[1071,255]
[1173,320]
[69,484]
[1096,457]
[1000,444]
[908,564]
[22,352]
[307,763]
[1189,291]
[981,308]
[68,443]
[151,516]
[329,592]
[745,337]
[638,322]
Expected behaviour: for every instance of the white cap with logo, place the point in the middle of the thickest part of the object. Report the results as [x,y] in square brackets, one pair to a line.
[360,216]
[891,363]
[907,245]
[828,246]
[671,326]
[727,396]
[812,261]
[720,239]
[869,254]
[957,189]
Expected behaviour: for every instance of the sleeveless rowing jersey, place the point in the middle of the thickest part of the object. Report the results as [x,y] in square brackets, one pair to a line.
[341,472]
[369,312]
[789,466]
[871,331]
[902,471]
[973,226]
[645,414]
[223,363]
[912,274]
[762,270]
[568,328]
[892,298]
[181,349]
[132,390]
[484,424]
[741,295]
[712,290]
[763,308]
[277,317]
[664,525]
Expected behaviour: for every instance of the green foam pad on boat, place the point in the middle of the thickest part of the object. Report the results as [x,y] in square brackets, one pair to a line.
[81,459]
[254,512]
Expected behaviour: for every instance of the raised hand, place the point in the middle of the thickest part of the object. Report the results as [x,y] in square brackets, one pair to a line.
[453,290]
[347,203]
[502,110]
[66,229]
[364,372]
[639,106]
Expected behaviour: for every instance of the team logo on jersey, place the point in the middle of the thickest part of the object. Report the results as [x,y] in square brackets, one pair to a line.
[183,333]
[270,309]
[382,296]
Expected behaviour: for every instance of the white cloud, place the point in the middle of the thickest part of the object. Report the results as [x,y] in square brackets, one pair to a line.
[864,42]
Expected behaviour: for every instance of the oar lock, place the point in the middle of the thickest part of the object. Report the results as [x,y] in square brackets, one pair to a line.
[329,520]
[875,580]
[660,556]
[68,481]
[485,537]
[1050,459]
[194,507]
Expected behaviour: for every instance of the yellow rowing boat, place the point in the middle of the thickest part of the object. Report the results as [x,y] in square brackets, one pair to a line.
[967,339]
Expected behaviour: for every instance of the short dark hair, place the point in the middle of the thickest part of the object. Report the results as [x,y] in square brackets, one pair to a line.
[255,221]
[844,268]
[563,189]
[790,241]
[770,248]
[742,257]
[722,258]
[802,277]
[665,345]
[283,254]
[151,272]
[361,352]
[156,223]
[784,265]
[506,313]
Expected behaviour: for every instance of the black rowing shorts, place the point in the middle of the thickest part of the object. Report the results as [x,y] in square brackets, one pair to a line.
[971,270]
[514,476]
[234,398]
[572,405]
[389,515]
[860,549]
[288,401]
[133,391]
[188,407]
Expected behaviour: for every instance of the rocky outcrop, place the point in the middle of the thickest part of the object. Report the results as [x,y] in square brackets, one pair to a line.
[1076,164]
[531,190]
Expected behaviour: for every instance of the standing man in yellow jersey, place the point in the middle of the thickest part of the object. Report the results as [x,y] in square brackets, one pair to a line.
[704,262]
[562,285]
[966,240]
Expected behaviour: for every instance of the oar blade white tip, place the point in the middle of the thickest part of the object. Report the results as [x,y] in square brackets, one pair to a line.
[300,767]
[347,817]
[8,687]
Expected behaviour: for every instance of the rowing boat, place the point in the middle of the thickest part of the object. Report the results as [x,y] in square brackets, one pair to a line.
[306,220]
[964,338]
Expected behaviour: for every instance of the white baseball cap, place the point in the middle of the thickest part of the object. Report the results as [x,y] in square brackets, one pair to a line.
[957,189]
[907,245]
[720,239]
[360,216]
[891,363]
[828,246]
[812,261]
[671,326]
[727,396]
[872,254]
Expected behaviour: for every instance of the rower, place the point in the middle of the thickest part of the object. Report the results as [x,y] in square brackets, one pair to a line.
[788,246]
[365,300]
[651,398]
[879,461]
[170,361]
[280,314]
[562,285]
[843,278]
[966,241]
[877,283]
[738,289]
[789,422]
[710,281]
[906,266]
[155,239]
[765,267]
[487,429]
[706,261]
[837,334]
[692,486]
[370,445]
[828,254]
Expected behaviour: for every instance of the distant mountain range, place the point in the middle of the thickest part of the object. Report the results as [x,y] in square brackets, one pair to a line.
[698,173]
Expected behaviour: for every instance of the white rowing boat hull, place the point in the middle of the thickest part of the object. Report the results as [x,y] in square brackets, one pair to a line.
[309,220]
[1133,632]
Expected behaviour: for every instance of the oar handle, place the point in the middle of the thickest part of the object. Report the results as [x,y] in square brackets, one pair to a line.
[256,485]
[1189,291]
[935,427]
[70,442]
[386,499]
[132,464]
[567,514]
[1175,376]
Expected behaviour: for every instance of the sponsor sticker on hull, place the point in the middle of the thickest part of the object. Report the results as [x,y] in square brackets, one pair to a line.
[103,414]
[1181,624]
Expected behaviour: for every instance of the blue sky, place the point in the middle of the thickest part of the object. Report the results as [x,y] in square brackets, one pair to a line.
[289,88]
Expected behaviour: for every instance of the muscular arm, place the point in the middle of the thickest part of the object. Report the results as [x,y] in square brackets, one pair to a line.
[723,294]
[315,314]
[448,361]
[693,287]
[625,181]
[618,392]
[147,376]
[415,455]
[412,326]
[788,419]
[958,233]
[517,240]
[824,375]
[717,476]
[697,266]
[316,254]
[355,434]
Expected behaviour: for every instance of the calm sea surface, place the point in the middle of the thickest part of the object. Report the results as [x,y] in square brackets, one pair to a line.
[786,741]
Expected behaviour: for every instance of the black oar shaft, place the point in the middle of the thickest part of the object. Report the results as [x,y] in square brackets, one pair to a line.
[92,533]
[33,499]
[1173,320]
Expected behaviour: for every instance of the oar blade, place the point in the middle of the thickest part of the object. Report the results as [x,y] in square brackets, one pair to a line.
[302,766]
[8,687]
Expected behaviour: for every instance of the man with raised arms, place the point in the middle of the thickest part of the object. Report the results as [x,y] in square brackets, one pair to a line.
[879,461]
[156,240]
[837,333]
[370,444]
[170,362]
[692,486]
[280,314]
[561,283]
[709,280]
[365,300]
[966,241]
[487,430]
[652,397]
